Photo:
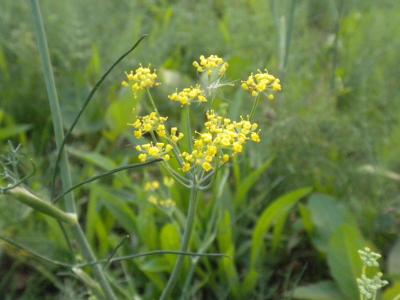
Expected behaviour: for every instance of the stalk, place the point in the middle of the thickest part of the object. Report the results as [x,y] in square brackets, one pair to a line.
[188,127]
[44,207]
[69,200]
[253,109]
[185,244]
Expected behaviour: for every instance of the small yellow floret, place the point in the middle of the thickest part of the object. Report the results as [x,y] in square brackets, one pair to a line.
[140,79]
[211,64]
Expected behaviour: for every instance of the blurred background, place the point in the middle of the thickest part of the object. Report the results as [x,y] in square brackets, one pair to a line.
[334,128]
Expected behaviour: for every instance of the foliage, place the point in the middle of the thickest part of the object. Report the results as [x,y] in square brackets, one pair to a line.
[335,128]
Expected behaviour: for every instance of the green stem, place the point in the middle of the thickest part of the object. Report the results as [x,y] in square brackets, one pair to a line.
[152,101]
[185,244]
[253,109]
[188,128]
[45,207]
[69,200]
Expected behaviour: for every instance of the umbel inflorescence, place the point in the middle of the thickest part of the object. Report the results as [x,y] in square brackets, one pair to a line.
[220,139]
[369,286]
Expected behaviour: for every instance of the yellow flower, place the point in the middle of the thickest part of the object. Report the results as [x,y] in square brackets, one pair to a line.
[210,64]
[189,95]
[152,185]
[167,203]
[260,83]
[168,181]
[186,167]
[221,139]
[140,79]
[153,200]
[206,166]
[150,150]
[175,137]
[149,123]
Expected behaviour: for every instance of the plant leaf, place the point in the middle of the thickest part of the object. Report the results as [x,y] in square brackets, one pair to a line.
[343,260]
[247,183]
[393,261]
[322,290]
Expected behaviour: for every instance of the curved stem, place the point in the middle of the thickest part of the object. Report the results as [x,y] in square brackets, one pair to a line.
[59,135]
[185,244]
[82,109]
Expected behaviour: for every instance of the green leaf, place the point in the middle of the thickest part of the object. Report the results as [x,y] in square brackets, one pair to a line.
[170,240]
[269,217]
[226,246]
[392,293]
[118,115]
[93,158]
[278,231]
[322,290]
[124,215]
[305,214]
[327,215]
[12,130]
[154,265]
[393,261]
[343,260]
[247,183]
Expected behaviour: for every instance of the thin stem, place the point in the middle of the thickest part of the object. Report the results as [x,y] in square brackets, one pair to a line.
[69,200]
[253,109]
[96,177]
[152,253]
[89,255]
[33,253]
[185,243]
[85,103]
[188,128]
[152,101]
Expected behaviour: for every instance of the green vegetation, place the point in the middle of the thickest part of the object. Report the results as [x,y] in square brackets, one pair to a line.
[285,219]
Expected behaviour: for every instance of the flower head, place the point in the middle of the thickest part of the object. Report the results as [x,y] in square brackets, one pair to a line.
[157,150]
[140,79]
[152,185]
[221,140]
[369,286]
[369,258]
[210,64]
[262,83]
[188,95]
[149,123]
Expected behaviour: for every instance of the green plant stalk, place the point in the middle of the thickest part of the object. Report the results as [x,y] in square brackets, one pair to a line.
[45,207]
[153,104]
[253,109]
[188,128]
[184,245]
[59,135]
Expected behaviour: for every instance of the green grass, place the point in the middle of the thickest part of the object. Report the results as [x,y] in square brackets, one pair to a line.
[338,112]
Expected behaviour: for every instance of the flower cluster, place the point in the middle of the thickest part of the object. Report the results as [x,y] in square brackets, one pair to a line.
[151,185]
[369,286]
[157,150]
[369,258]
[149,123]
[221,140]
[157,197]
[211,63]
[188,95]
[262,82]
[166,203]
[142,78]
